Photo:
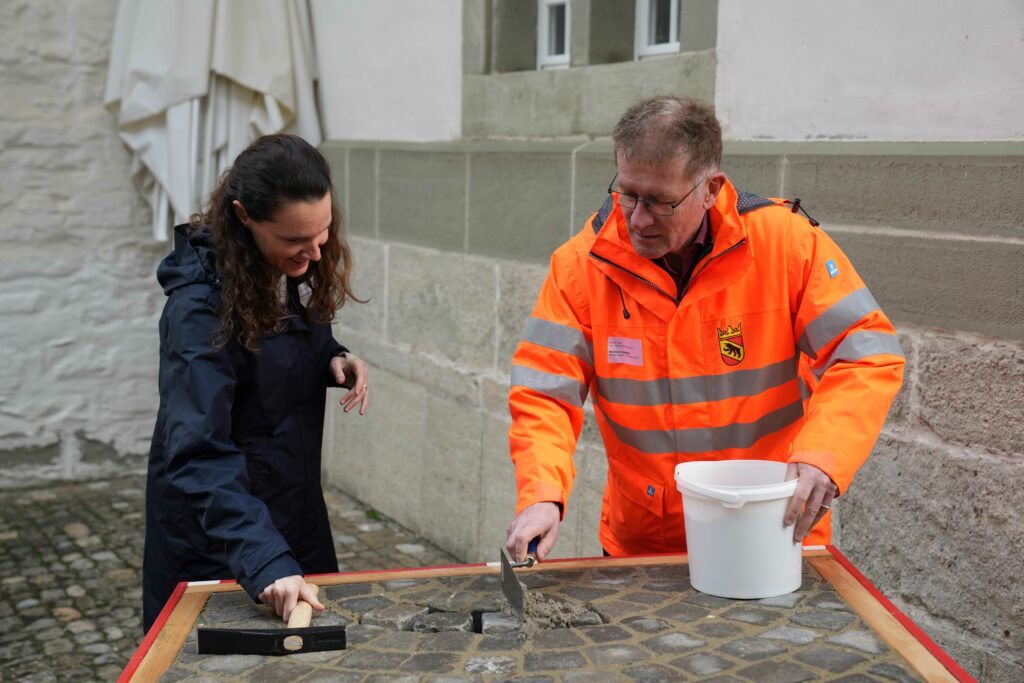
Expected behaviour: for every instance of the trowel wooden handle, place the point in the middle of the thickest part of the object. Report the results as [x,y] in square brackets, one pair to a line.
[302,613]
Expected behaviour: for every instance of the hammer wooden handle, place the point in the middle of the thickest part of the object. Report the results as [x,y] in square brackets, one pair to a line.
[302,613]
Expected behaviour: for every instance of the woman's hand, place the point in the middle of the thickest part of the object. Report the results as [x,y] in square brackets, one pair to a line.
[353,374]
[288,590]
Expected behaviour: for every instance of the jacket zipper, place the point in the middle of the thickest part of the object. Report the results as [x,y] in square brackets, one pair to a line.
[705,265]
[629,272]
[656,287]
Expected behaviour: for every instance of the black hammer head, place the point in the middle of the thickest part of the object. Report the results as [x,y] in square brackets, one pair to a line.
[286,641]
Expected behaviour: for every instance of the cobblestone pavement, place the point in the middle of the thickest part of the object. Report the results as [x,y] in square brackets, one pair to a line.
[650,626]
[70,573]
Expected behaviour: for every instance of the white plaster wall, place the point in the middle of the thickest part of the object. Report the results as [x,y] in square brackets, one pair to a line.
[871,69]
[79,301]
[389,69]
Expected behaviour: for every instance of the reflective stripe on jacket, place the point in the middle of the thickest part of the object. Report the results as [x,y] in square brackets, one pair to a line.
[774,346]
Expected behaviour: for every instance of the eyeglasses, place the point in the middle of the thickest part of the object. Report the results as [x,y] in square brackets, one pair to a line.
[630,201]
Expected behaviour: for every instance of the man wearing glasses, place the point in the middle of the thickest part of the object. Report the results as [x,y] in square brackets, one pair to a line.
[705,323]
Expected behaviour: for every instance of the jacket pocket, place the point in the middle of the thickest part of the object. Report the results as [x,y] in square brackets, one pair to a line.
[636,509]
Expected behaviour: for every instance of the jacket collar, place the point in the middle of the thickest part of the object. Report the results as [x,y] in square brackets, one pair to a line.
[616,257]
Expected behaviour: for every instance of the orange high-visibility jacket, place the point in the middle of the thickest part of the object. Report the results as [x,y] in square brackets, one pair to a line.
[774,346]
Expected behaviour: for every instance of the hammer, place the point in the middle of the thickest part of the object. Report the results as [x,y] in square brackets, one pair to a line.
[299,636]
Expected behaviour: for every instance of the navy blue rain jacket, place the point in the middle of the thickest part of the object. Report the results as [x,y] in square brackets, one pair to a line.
[234,469]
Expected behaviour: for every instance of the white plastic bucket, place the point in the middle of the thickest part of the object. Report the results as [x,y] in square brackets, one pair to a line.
[737,544]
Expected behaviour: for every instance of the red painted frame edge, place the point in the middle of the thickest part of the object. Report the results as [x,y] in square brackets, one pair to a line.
[154,631]
[904,620]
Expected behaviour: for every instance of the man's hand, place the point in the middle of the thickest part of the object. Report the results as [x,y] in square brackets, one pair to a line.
[351,372]
[812,500]
[539,519]
[288,590]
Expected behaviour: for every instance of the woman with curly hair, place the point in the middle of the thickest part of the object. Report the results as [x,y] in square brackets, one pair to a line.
[246,356]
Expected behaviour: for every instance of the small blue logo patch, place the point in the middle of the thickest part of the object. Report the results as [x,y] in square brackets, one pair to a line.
[650,490]
[833,269]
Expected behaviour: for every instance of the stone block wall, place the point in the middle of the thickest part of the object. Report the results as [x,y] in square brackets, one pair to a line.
[78,297]
[451,243]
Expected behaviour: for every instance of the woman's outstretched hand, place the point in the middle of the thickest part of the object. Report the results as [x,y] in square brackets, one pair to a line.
[352,373]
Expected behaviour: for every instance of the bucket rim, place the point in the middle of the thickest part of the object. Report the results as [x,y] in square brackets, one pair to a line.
[737,493]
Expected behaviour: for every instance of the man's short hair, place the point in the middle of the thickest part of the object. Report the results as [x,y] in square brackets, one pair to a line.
[664,128]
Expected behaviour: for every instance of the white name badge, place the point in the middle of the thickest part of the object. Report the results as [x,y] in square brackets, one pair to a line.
[625,350]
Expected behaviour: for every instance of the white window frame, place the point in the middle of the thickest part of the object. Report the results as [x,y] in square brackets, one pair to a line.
[545,60]
[641,47]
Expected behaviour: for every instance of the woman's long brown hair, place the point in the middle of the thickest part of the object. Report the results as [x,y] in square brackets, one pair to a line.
[275,170]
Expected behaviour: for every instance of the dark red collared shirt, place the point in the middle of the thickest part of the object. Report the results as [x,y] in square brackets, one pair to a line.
[680,265]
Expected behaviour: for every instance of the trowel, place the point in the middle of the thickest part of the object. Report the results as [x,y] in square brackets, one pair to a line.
[514,591]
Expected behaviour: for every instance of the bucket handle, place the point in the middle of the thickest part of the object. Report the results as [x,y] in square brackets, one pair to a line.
[727,499]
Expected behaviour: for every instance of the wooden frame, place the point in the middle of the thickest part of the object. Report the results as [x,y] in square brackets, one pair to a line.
[165,639]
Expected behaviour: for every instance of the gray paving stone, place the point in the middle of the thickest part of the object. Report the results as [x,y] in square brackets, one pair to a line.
[554,659]
[673,642]
[272,672]
[591,677]
[645,598]
[333,676]
[676,586]
[787,600]
[645,624]
[230,664]
[682,612]
[358,634]
[650,673]
[346,590]
[399,616]
[392,678]
[615,654]
[752,648]
[892,672]
[830,658]
[587,593]
[404,641]
[752,615]
[826,619]
[430,662]
[799,636]
[556,638]
[777,672]
[498,622]
[371,660]
[605,634]
[617,610]
[503,641]
[709,601]
[491,665]
[828,600]
[448,641]
[467,601]
[702,664]
[442,621]
[368,604]
[865,641]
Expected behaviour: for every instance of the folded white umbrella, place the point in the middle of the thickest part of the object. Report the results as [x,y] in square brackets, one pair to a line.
[192,82]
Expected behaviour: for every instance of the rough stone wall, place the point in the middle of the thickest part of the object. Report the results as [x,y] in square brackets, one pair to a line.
[935,516]
[78,298]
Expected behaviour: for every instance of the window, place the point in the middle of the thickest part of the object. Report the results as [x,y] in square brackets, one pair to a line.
[552,34]
[657,28]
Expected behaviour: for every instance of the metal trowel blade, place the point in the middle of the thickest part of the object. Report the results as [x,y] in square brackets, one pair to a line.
[510,586]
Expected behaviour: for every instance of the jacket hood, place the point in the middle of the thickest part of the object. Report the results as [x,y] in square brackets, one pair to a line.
[191,262]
